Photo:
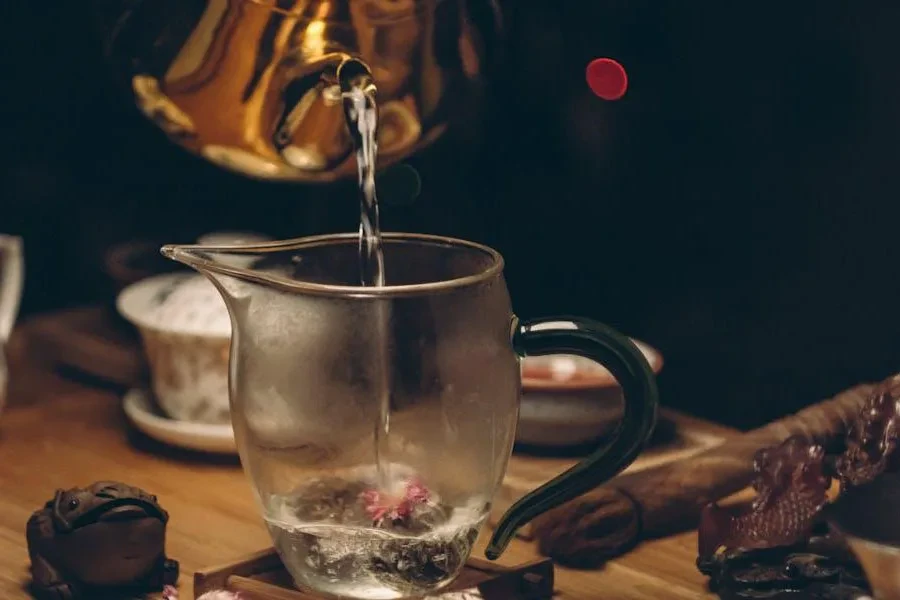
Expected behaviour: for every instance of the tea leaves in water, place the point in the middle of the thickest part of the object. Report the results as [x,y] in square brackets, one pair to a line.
[333,536]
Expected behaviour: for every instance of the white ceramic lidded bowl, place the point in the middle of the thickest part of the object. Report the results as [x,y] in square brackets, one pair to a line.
[186,333]
[185,329]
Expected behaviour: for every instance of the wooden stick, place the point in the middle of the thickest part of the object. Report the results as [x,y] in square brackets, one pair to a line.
[667,499]
[216,578]
[255,589]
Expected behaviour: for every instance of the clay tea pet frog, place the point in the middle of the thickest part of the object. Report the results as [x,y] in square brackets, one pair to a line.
[107,536]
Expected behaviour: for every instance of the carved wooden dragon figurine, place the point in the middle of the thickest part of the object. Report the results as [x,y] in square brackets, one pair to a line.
[793,478]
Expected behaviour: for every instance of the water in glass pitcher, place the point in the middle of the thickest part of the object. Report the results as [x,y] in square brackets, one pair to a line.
[354,536]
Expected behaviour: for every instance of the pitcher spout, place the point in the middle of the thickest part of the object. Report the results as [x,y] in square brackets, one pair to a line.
[208,258]
[224,265]
[320,264]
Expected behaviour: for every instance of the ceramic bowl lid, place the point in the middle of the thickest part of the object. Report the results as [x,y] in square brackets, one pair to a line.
[183,302]
[186,303]
[190,304]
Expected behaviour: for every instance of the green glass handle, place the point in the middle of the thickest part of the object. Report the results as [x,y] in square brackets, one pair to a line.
[598,342]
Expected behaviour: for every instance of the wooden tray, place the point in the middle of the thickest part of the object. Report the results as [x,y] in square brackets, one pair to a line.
[261,576]
[677,436]
[90,341]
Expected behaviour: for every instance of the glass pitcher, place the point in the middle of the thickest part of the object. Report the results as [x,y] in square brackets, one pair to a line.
[375,423]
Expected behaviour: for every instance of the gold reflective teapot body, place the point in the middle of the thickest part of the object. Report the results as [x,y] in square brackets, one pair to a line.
[251,85]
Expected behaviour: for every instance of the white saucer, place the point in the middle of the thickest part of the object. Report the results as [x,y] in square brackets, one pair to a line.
[143,414]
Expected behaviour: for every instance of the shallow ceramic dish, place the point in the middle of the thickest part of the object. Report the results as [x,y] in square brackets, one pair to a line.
[186,333]
[144,414]
[570,400]
[868,518]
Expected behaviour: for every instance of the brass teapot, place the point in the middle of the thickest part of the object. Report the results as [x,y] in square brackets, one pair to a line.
[251,85]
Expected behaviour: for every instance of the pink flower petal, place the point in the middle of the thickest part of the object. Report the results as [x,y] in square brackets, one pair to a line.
[220,595]
[403,510]
[380,506]
[416,492]
[375,506]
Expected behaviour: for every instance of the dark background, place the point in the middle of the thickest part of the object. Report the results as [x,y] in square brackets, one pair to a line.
[737,209]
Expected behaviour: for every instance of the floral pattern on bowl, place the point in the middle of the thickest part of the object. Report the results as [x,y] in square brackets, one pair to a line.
[186,334]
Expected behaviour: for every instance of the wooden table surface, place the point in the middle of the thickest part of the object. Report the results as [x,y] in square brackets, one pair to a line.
[60,433]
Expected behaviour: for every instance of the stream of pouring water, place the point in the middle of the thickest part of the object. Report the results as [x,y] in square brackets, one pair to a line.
[363,117]
[361,111]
